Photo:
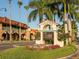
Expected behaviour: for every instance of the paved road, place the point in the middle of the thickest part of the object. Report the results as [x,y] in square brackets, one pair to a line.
[4,46]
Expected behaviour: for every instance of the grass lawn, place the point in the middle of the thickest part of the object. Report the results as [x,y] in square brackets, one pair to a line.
[23,53]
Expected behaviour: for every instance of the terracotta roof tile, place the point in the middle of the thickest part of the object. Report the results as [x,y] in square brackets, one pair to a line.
[15,23]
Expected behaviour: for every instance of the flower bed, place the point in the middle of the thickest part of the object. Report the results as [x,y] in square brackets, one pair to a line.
[42,47]
[51,47]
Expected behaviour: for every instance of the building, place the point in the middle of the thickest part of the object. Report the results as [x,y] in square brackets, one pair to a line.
[31,34]
[15,26]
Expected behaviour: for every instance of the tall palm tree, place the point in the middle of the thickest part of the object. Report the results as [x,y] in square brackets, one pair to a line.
[19,4]
[71,11]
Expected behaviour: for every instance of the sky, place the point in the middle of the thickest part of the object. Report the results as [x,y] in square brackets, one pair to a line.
[15,13]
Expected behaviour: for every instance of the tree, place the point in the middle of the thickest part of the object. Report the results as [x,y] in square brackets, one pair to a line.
[39,9]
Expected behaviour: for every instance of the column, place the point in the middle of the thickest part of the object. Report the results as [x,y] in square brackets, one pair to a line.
[66,29]
[55,38]
[41,34]
[20,34]
[56,42]
[1,31]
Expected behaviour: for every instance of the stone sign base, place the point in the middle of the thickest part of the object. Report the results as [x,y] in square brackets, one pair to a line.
[39,42]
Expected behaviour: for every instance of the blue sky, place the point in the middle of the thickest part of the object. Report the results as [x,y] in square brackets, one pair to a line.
[14,13]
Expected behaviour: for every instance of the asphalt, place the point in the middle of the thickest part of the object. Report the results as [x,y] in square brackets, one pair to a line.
[4,46]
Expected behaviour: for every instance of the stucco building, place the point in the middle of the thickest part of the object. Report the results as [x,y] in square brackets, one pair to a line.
[15,26]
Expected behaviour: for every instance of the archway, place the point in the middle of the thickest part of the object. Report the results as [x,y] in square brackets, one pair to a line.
[22,36]
[48,34]
[50,28]
[15,36]
[31,36]
[5,36]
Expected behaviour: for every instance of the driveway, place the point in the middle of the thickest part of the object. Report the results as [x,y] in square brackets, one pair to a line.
[4,46]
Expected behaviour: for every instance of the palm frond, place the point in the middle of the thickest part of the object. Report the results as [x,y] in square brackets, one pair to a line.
[33,15]
[26,7]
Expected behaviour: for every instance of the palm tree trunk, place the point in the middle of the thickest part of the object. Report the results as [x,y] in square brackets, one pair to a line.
[73,33]
[73,36]
[69,31]
[65,24]
[66,29]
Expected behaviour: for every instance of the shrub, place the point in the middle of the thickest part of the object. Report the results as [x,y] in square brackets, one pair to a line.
[51,47]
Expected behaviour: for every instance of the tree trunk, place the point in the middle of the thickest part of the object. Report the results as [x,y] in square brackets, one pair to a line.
[66,28]
[73,36]
[69,31]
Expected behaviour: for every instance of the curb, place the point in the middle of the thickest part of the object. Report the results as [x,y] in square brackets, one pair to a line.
[70,56]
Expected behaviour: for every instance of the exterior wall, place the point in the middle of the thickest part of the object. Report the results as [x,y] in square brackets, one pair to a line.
[27,34]
[15,29]
[56,42]
[1,31]
[5,28]
[23,30]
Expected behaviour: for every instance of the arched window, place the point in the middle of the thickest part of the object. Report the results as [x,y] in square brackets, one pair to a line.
[47,27]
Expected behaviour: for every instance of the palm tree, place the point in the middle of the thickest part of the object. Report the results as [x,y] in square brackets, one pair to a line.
[20,4]
[39,9]
[73,14]
[68,10]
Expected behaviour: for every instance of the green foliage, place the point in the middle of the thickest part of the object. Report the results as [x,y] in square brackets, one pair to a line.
[74,29]
[23,53]
[37,36]
[49,41]
[39,9]
[62,35]
[26,7]
[19,3]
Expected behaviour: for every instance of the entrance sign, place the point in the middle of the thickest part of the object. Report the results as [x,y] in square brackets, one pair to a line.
[50,27]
